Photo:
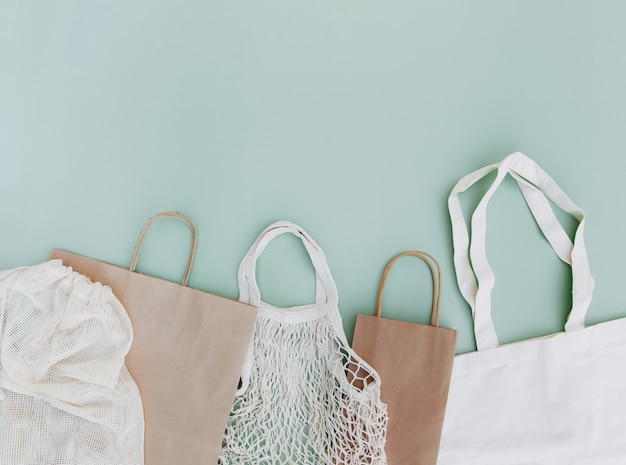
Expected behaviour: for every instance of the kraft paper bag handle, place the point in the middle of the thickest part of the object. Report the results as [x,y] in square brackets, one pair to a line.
[435,271]
[194,240]
[476,278]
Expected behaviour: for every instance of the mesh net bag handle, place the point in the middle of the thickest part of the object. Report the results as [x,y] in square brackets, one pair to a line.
[325,289]
[194,240]
[435,271]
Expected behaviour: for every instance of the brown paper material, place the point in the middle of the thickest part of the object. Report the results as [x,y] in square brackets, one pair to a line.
[186,358]
[415,364]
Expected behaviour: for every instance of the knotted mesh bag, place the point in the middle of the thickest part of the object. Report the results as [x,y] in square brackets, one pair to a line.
[305,398]
[65,394]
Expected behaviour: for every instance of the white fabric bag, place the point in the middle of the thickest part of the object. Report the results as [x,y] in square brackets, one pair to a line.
[557,400]
[66,397]
[305,398]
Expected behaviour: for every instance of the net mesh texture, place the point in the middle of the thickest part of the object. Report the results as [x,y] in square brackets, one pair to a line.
[65,395]
[306,399]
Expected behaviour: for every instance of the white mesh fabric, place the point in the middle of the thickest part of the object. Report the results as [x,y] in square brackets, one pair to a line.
[306,398]
[65,395]
[299,407]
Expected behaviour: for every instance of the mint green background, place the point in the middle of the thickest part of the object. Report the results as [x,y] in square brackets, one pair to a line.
[353,118]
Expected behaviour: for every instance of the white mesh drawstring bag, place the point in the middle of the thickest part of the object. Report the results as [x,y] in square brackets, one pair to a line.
[305,398]
[66,397]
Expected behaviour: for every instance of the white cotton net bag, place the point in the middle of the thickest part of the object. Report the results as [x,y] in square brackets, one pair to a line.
[305,398]
[66,397]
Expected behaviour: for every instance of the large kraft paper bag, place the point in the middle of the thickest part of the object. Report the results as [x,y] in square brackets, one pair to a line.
[186,356]
[414,362]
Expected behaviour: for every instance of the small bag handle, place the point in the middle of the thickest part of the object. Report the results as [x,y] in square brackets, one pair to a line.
[326,290]
[435,271]
[194,240]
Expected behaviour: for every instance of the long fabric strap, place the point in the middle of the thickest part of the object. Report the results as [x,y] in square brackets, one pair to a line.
[476,278]
[325,290]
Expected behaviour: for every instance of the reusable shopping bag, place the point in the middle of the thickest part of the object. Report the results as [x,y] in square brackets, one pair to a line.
[557,399]
[65,395]
[296,404]
[414,363]
[186,357]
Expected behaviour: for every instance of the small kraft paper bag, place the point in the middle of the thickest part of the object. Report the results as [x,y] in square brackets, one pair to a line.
[186,357]
[414,362]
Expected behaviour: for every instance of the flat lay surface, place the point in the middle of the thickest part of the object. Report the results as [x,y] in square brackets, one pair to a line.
[351,118]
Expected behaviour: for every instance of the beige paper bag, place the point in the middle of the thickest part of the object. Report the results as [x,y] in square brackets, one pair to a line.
[186,357]
[414,363]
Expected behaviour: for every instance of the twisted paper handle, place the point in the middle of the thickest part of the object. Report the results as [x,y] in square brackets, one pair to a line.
[435,271]
[194,240]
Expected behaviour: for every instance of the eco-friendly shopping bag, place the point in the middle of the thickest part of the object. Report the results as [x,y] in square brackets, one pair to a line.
[414,363]
[296,404]
[557,399]
[186,356]
[65,395]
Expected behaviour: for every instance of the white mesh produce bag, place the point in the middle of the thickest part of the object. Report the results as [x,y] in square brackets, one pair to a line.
[306,398]
[65,394]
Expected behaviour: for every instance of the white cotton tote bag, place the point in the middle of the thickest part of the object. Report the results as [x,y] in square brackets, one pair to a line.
[305,398]
[557,400]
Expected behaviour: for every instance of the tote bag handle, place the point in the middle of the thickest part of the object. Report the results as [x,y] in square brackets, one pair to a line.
[475,276]
[194,240]
[325,289]
[435,271]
